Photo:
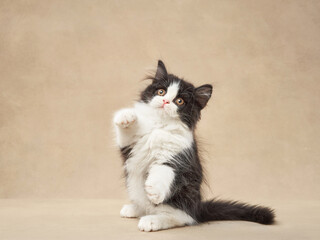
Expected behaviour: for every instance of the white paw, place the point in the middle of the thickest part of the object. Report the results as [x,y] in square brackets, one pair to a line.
[150,223]
[125,118]
[128,211]
[155,191]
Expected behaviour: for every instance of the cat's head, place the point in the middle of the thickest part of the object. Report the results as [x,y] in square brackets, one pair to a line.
[175,97]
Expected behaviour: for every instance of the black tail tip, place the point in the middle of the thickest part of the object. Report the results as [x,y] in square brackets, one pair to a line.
[264,215]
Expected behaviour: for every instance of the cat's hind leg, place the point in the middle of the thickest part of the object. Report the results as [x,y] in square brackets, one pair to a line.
[165,217]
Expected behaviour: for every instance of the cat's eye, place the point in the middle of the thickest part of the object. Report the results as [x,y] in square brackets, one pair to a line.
[161,92]
[179,101]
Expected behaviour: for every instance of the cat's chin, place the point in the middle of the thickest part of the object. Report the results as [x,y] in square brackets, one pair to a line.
[164,112]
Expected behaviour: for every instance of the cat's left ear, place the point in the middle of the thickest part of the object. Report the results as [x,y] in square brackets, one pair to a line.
[161,71]
[203,94]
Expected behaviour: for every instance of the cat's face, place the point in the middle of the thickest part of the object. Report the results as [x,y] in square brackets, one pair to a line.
[176,98]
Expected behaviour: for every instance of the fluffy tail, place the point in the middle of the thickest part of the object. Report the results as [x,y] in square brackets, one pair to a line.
[231,210]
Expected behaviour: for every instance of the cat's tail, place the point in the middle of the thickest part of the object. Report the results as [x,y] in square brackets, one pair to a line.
[232,210]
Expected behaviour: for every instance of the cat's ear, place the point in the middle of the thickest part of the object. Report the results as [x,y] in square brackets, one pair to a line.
[203,94]
[161,71]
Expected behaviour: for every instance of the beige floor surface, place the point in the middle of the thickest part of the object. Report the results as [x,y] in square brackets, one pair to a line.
[99,219]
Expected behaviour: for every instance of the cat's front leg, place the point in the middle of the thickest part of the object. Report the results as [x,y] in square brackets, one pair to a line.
[158,183]
[131,211]
[125,121]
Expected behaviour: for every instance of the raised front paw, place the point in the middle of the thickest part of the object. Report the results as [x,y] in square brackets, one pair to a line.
[125,118]
[155,191]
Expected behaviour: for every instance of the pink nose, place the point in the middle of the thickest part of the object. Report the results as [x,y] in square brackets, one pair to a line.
[166,101]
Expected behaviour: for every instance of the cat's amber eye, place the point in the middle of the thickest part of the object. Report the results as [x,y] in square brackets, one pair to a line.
[179,101]
[161,92]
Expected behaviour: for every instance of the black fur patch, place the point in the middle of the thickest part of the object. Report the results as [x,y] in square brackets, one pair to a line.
[125,153]
[185,189]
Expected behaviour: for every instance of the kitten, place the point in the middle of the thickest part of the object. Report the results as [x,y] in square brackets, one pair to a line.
[161,162]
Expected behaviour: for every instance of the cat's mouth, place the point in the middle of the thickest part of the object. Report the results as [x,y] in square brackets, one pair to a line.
[164,107]
[165,102]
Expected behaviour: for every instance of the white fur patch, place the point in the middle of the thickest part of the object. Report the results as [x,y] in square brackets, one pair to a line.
[158,183]
[172,91]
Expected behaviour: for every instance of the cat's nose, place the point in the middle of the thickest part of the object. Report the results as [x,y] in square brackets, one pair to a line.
[165,101]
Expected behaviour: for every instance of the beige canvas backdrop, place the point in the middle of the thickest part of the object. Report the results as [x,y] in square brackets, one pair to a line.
[66,66]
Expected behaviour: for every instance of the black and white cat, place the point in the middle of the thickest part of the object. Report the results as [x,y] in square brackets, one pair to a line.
[161,162]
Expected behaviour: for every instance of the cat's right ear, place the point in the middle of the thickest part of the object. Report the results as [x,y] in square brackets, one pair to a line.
[161,71]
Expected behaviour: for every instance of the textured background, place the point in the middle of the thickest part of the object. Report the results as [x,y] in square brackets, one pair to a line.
[66,66]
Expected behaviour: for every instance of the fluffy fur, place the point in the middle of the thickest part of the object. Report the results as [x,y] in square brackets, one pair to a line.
[161,161]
